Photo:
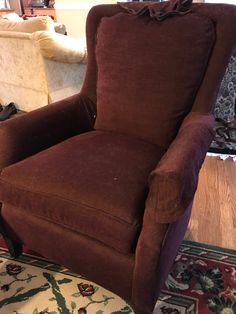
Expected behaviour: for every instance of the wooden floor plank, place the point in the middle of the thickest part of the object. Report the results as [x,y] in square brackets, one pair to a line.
[213,219]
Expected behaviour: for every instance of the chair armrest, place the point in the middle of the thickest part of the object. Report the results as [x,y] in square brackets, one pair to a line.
[37,130]
[174,181]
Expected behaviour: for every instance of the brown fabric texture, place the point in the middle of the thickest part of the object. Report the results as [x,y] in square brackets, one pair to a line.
[152,106]
[100,178]
[34,131]
[174,181]
[143,84]
[155,253]
[80,254]
[223,17]
[159,12]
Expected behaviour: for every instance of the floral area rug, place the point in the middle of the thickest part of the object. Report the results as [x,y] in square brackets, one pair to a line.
[225,112]
[225,137]
[31,285]
[202,280]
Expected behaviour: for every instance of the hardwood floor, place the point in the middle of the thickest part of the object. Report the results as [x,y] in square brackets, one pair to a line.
[213,218]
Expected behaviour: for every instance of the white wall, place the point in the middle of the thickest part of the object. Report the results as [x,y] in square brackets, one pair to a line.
[73,14]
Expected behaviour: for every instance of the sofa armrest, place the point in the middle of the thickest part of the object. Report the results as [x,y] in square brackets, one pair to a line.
[174,181]
[14,35]
[37,130]
[61,48]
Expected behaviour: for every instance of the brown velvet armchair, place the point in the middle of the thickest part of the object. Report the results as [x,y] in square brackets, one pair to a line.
[111,173]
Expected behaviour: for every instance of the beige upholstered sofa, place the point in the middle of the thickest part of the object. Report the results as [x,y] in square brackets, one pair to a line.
[38,68]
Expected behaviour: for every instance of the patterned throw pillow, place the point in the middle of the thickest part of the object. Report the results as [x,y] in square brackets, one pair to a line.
[225,104]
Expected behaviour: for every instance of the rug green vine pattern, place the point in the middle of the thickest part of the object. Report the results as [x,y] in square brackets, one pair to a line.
[202,281]
[57,290]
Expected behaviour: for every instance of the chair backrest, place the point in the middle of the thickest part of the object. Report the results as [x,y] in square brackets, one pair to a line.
[149,64]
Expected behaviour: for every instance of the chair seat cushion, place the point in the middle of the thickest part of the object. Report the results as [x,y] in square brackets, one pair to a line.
[94,184]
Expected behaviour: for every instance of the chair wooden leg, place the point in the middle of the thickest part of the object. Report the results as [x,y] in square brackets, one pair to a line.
[15,249]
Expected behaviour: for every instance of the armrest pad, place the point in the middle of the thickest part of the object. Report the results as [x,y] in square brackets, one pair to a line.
[37,130]
[174,181]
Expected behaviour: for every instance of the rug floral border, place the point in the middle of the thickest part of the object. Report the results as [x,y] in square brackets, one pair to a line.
[202,281]
[187,288]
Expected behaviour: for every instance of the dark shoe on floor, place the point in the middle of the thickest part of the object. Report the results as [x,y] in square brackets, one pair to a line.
[8,111]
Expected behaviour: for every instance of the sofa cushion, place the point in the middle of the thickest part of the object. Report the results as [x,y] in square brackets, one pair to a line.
[12,17]
[61,48]
[28,26]
[142,90]
[94,184]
